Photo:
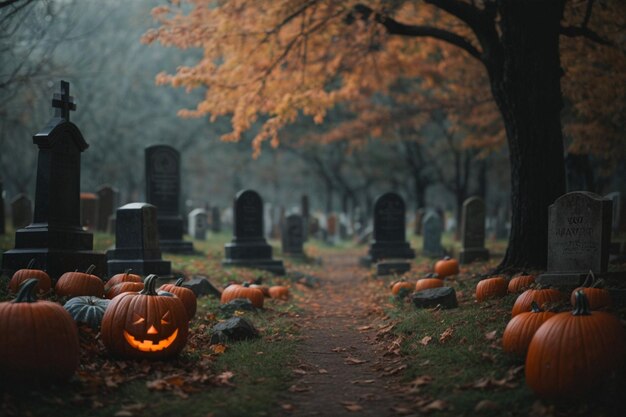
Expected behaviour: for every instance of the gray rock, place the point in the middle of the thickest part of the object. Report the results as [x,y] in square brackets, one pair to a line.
[442,296]
[233,330]
[238,304]
[201,286]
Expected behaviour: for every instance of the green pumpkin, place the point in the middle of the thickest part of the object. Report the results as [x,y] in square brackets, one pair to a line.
[87,309]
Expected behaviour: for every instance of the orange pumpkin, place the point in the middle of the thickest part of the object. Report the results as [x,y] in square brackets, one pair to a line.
[541,296]
[124,277]
[520,283]
[572,353]
[44,284]
[234,291]
[264,288]
[127,286]
[402,287]
[491,288]
[145,325]
[39,339]
[279,291]
[74,284]
[185,294]
[598,297]
[426,283]
[446,267]
[521,328]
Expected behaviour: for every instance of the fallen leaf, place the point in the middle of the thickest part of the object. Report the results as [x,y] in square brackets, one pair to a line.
[351,406]
[363,381]
[287,407]
[437,405]
[446,335]
[395,370]
[354,361]
[123,413]
[422,380]
[486,405]
[363,328]
[322,371]
[401,410]
[299,371]
[298,388]
[425,340]
[491,335]
[218,348]
[224,378]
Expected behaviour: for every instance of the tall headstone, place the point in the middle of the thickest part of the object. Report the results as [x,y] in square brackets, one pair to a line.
[216,220]
[249,247]
[107,203]
[389,237]
[88,210]
[473,231]
[163,191]
[579,236]
[2,220]
[293,235]
[21,211]
[432,230]
[56,239]
[198,223]
[137,242]
[304,209]
[618,223]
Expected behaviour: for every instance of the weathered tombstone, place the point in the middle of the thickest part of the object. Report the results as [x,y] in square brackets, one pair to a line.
[579,235]
[419,219]
[618,223]
[198,223]
[107,203]
[248,247]
[389,237]
[137,242]
[473,231]
[432,230]
[21,211]
[88,210]
[216,221]
[304,210]
[293,235]
[2,224]
[163,191]
[55,239]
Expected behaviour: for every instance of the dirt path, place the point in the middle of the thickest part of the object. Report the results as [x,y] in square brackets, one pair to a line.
[343,370]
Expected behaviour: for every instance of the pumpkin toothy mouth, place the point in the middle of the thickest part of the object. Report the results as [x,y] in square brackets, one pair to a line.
[149,345]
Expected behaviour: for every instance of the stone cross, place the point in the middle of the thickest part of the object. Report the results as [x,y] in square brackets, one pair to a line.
[63,103]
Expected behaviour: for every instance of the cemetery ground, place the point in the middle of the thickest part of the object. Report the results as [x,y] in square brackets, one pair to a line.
[343,347]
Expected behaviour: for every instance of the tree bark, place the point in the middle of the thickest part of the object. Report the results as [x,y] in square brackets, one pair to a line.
[527,90]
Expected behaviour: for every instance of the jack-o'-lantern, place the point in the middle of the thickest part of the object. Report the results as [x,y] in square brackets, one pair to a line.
[145,325]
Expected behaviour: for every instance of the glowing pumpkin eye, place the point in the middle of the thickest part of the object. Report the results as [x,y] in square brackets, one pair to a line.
[166,318]
[138,319]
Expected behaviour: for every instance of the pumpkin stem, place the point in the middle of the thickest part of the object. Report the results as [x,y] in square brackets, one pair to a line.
[446,258]
[91,268]
[149,285]
[26,294]
[246,284]
[179,282]
[581,306]
[31,264]
[534,307]
[589,279]
[127,272]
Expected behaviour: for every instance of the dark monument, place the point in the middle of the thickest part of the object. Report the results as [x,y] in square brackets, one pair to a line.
[248,247]
[579,235]
[21,211]
[137,242]
[88,210]
[56,239]
[163,191]
[293,235]
[473,231]
[389,230]
[107,203]
[2,224]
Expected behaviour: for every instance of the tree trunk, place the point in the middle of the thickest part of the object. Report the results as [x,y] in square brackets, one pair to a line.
[527,90]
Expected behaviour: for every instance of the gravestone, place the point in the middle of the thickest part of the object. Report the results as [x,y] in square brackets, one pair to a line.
[293,235]
[2,224]
[618,223]
[419,221]
[432,230]
[198,223]
[21,211]
[304,210]
[55,239]
[137,242]
[216,221]
[473,231]
[107,203]
[579,235]
[389,236]
[163,191]
[88,210]
[249,247]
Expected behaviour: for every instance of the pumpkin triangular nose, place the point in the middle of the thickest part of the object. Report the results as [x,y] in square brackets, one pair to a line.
[152,330]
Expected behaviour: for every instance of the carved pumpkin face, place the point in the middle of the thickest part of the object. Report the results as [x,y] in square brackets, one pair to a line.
[145,324]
